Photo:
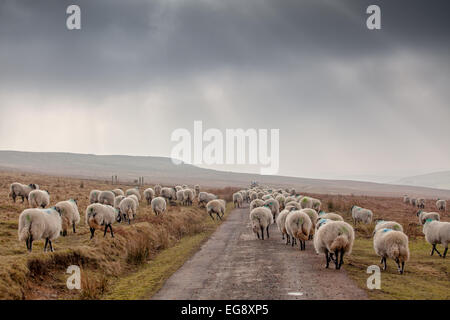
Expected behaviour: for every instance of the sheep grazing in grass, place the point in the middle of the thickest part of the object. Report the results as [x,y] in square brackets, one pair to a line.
[392,244]
[312,214]
[281,222]
[149,194]
[39,198]
[205,197]
[361,215]
[406,199]
[216,206]
[157,189]
[98,215]
[274,207]
[127,209]
[37,224]
[381,224]
[70,216]
[17,189]
[256,203]
[158,205]
[117,201]
[169,194]
[106,197]
[237,199]
[298,226]
[261,218]
[437,232]
[93,196]
[330,216]
[118,192]
[306,202]
[441,205]
[135,199]
[421,203]
[423,216]
[188,197]
[134,191]
[335,239]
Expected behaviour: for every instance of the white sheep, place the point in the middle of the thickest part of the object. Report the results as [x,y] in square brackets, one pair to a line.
[149,194]
[70,216]
[392,244]
[427,215]
[298,226]
[106,197]
[281,223]
[314,217]
[406,199]
[421,203]
[238,199]
[180,196]
[334,238]
[127,209]
[39,198]
[37,224]
[330,216]
[169,194]
[281,200]
[157,189]
[441,205]
[274,207]
[437,232]
[261,218]
[98,215]
[256,203]
[306,202]
[316,204]
[118,192]
[381,224]
[158,205]
[135,199]
[197,189]
[17,189]
[205,197]
[216,206]
[361,215]
[93,196]
[292,204]
[134,191]
[188,195]
[117,201]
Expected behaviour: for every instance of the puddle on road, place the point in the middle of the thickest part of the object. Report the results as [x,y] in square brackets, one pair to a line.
[295,293]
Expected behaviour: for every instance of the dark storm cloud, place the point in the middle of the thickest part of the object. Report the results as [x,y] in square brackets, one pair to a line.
[365,102]
[128,44]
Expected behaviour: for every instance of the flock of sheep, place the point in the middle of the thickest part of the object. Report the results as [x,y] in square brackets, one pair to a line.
[300,218]
[106,207]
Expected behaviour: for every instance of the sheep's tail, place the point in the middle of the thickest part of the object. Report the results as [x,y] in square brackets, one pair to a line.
[398,251]
[303,233]
[25,230]
[341,242]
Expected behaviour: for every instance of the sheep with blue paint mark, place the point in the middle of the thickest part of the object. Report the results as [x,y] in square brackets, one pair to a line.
[361,215]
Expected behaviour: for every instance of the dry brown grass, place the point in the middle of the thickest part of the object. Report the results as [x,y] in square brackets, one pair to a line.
[42,275]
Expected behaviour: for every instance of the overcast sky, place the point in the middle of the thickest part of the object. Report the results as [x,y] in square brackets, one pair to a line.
[349,102]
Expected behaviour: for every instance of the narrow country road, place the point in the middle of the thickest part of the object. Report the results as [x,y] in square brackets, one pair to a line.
[233,264]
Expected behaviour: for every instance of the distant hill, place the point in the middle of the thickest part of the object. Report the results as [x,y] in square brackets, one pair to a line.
[162,170]
[439,180]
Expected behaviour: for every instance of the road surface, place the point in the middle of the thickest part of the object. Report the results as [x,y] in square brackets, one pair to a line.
[234,264]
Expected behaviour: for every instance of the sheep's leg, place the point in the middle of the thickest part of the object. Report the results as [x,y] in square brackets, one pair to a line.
[384,263]
[73,227]
[293,241]
[332,257]
[23,199]
[445,252]
[51,245]
[327,258]
[257,233]
[28,242]
[267,230]
[45,245]
[92,232]
[435,249]
[288,239]
[282,236]
[14,197]
[262,233]
[336,262]
[64,233]
[110,229]
[403,268]
[341,262]
[106,229]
